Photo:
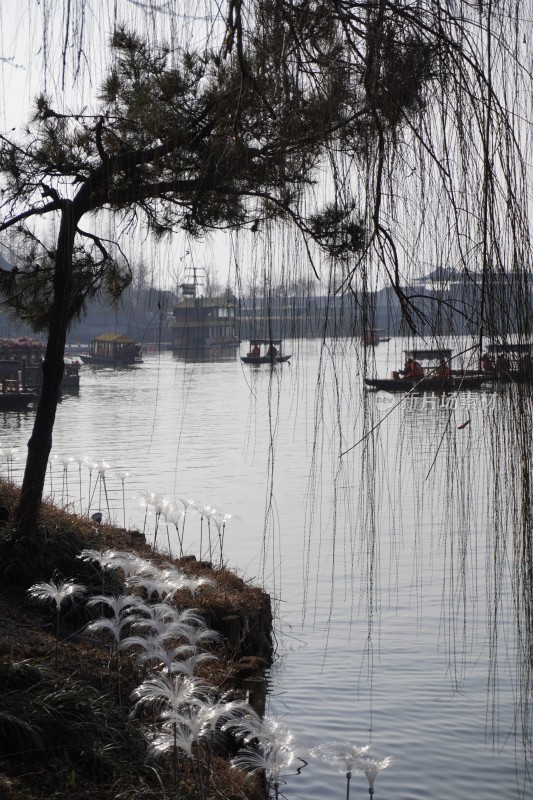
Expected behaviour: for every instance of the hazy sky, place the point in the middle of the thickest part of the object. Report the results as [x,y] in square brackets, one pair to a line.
[34,35]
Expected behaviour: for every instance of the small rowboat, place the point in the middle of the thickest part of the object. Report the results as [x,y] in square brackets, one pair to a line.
[265,351]
[434,375]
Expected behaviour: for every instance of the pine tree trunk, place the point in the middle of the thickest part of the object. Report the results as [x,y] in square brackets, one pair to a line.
[40,442]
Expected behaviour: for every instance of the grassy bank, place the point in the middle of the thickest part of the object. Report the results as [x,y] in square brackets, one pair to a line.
[78,667]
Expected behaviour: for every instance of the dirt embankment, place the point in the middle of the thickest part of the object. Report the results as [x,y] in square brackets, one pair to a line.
[66,727]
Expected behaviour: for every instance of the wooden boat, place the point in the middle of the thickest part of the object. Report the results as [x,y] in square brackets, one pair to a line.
[265,351]
[428,384]
[23,359]
[434,375]
[14,396]
[203,326]
[509,362]
[70,381]
[113,350]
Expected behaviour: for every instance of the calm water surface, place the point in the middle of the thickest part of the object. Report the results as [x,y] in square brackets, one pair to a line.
[376,559]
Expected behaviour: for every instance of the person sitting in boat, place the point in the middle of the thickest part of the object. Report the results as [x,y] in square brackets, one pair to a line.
[272,351]
[443,371]
[486,363]
[413,370]
[256,351]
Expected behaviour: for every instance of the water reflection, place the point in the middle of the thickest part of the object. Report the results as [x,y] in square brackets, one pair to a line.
[392,537]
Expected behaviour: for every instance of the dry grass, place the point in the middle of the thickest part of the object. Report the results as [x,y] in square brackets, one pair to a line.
[85,763]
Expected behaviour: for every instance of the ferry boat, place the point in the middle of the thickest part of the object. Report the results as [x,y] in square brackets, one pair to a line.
[428,371]
[202,325]
[113,350]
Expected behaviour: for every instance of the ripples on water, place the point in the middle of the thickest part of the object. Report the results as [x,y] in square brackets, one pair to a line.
[380,637]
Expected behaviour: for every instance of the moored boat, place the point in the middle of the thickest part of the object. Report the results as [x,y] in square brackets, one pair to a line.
[204,326]
[265,351]
[114,350]
[14,395]
[21,363]
[428,371]
[509,362]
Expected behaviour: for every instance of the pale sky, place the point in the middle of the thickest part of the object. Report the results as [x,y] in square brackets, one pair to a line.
[31,60]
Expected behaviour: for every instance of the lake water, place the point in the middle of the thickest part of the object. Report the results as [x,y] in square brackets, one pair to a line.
[370,522]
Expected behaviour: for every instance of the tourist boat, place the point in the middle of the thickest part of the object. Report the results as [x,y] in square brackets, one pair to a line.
[14,395]
[71,375]
[23,359]
[265,351]
[509,362]
[113,350]
[203,326]
[435,375]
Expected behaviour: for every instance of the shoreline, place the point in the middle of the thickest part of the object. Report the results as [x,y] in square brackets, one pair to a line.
[33,658]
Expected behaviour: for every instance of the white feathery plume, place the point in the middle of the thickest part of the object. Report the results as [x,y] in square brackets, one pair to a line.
[154,651]
[56,592]
[79,462]
[150,642]
[124,609]
[208,512]
[189,666]
[122,475]
[135,565]
[175,516]
[190,506]
[65,460]
[273,751]
[158,627]
[265,729]
[166,695]
[342,755]
[168,658]
[148,500]
[106,559]
[188,503]
[164,611]
[118,604]
[214,710]
[102,467]
[91,466]
[163,743]
[196,636]
[167,692]
[129,563]
[152,585]
[371,767]
[193,584]
[9,456]
[273,763]
[115,626]
[196,719]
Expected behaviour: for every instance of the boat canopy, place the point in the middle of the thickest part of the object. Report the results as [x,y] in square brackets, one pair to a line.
[427,355]
[259,342]
[117,338]
[509,348]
